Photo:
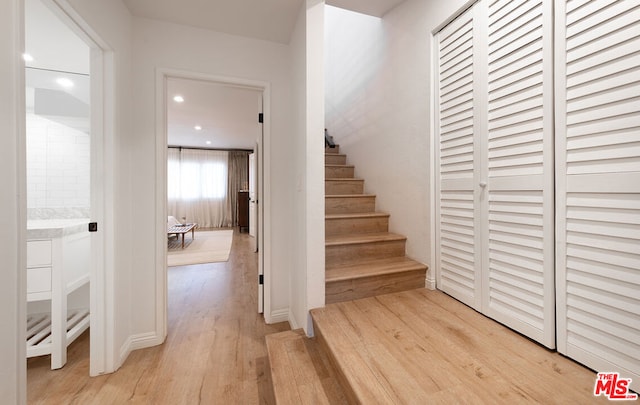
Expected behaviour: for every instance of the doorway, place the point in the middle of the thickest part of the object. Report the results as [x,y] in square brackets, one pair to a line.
[65,118]
[261,143]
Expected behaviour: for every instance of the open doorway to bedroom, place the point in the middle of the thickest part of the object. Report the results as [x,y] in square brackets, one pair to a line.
[214,177]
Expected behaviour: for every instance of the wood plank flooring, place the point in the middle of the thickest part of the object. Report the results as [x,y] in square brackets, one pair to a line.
[301,372]
[424,347]
[215,352]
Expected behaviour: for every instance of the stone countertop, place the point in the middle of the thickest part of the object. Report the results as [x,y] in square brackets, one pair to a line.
[55,228]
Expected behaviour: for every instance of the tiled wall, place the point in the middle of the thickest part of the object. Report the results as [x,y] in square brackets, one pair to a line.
[58,168]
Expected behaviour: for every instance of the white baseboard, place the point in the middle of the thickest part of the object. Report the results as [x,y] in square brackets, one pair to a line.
[280,315]
[144,340]
[430,280]
[135,342]
[125,350]
[293,324]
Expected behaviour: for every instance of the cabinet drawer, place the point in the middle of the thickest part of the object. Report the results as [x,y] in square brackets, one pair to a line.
[38,253]
[38,280]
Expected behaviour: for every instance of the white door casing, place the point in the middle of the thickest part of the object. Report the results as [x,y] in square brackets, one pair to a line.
[264,188]
[103,355]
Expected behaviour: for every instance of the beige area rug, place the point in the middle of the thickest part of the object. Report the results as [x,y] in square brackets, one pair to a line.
[206,247]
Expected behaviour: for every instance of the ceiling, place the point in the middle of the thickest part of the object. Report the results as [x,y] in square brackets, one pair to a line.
[270,20]
[228,116]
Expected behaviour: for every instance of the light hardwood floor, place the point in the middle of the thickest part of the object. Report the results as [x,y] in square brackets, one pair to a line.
[424,347]
[215,351]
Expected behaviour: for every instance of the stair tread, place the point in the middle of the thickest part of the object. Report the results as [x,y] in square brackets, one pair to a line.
[300,370]
[337,165]
[343,179]
[372,268]
[362,238]
[357,215]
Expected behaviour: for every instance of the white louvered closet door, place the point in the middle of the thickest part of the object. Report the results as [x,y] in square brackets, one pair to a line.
[457,253]
[518,269]
[495,199]
[598,180]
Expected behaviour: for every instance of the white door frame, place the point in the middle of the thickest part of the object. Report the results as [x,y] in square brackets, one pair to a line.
[264,185]
[103,357]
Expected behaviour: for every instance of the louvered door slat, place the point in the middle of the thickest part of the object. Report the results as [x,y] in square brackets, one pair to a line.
[601,29]
[598,178]
[518,277]
[457,252]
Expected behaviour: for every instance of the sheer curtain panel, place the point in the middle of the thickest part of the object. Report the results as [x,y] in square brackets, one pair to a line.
[197,183]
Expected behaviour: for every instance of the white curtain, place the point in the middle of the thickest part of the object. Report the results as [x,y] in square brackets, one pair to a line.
[197,182]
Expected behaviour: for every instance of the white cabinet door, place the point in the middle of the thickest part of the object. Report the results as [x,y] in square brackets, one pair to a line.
[598,182]
[495,164]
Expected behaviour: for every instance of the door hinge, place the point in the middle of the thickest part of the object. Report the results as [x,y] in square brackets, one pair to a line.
[260,118]
[261,279]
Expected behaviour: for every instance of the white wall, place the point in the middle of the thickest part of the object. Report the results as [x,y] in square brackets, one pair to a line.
[298,274]
[314,159]
[307,272]
[378,108]
[160,45]
[12,204]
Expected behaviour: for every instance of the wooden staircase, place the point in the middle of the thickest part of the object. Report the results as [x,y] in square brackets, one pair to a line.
[413,346]
[363,258]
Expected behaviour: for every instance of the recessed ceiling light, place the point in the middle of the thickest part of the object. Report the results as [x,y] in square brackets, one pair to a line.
[208,142]
[197,128]
[27,57]
[178,99]
[64,82]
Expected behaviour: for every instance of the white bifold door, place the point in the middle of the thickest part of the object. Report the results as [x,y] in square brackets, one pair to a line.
[494,151]
[522,116]
[598,181]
